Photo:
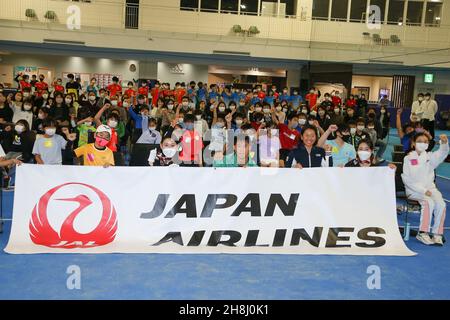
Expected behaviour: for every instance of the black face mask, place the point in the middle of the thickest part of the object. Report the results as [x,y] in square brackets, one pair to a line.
[346,137]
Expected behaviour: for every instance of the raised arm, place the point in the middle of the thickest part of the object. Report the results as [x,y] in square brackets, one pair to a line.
[326,134]
[100,113]
[398,124]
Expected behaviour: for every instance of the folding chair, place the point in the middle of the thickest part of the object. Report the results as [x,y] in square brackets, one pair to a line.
[398,156]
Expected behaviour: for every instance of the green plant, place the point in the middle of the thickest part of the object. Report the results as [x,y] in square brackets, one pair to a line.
[30,13]
[253,30]
[50,15]
[237,28]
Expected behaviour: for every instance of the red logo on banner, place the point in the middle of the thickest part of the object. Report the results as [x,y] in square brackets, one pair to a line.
[42,233]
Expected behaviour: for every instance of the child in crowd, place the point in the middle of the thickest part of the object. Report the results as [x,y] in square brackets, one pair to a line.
[97,153]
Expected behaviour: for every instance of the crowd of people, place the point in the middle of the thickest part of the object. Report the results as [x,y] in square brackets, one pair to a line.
[207,125]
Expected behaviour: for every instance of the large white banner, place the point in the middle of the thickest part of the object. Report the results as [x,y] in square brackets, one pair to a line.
[72,209]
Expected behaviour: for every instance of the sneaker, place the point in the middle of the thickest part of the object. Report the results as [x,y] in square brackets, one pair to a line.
[437,239]
[424,238]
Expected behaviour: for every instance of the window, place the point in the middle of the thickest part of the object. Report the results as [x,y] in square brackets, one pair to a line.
[433,14]
[190,5]
[132,14]
[414,13]
[395,13]
[320,9]
[339,10]
[288,8]
[358,11]
[249,7]
[382,5]
[229,6]
[209,5]
[269,8]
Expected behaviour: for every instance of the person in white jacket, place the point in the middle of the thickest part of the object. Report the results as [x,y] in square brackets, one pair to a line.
[418,177]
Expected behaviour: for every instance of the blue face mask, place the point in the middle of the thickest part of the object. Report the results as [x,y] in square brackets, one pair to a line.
[189,126]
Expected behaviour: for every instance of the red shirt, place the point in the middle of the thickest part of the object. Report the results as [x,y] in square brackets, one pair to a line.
[167,93]
[255,125]
[288,137]
[192,144]
[113,88]
[41,86]
[179,94]
[261,95]
[112,144]
[350,103]
[155,95]
[336,100]
[312,98]
[130,92]
[24,84]
[143,91]
[58,88]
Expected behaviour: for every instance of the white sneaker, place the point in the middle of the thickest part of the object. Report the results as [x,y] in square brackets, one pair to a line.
[437,239]
[424,238]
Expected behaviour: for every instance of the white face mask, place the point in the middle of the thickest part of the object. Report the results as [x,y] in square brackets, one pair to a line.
[266,111]
[114,103]
[125,104]
[88,123]
[170,106]
[370,128]
[421,146]
[198,116]
[19,128]
[420,99]
[352,131]
[336,111]
[50,131]
[301,121]
[68,101]
[364,155]
[26,94]
[112,123]
[304,111]
[27,107]
[45,96]
[279,108]
[383,111]
[169,152]
[258,109]
[221,109]
[238,122]
[92,98]
[360,128]
[313,113]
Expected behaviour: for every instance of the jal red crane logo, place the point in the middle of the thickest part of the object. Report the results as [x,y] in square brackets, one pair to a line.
[42,233]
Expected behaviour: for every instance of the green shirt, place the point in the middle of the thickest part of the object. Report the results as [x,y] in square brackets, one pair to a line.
[83,135]
[230,160]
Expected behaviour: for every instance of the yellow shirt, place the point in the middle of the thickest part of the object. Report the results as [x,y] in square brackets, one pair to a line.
[94,157]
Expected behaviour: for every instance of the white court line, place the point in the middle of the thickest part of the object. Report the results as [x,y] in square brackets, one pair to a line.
[446,178]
